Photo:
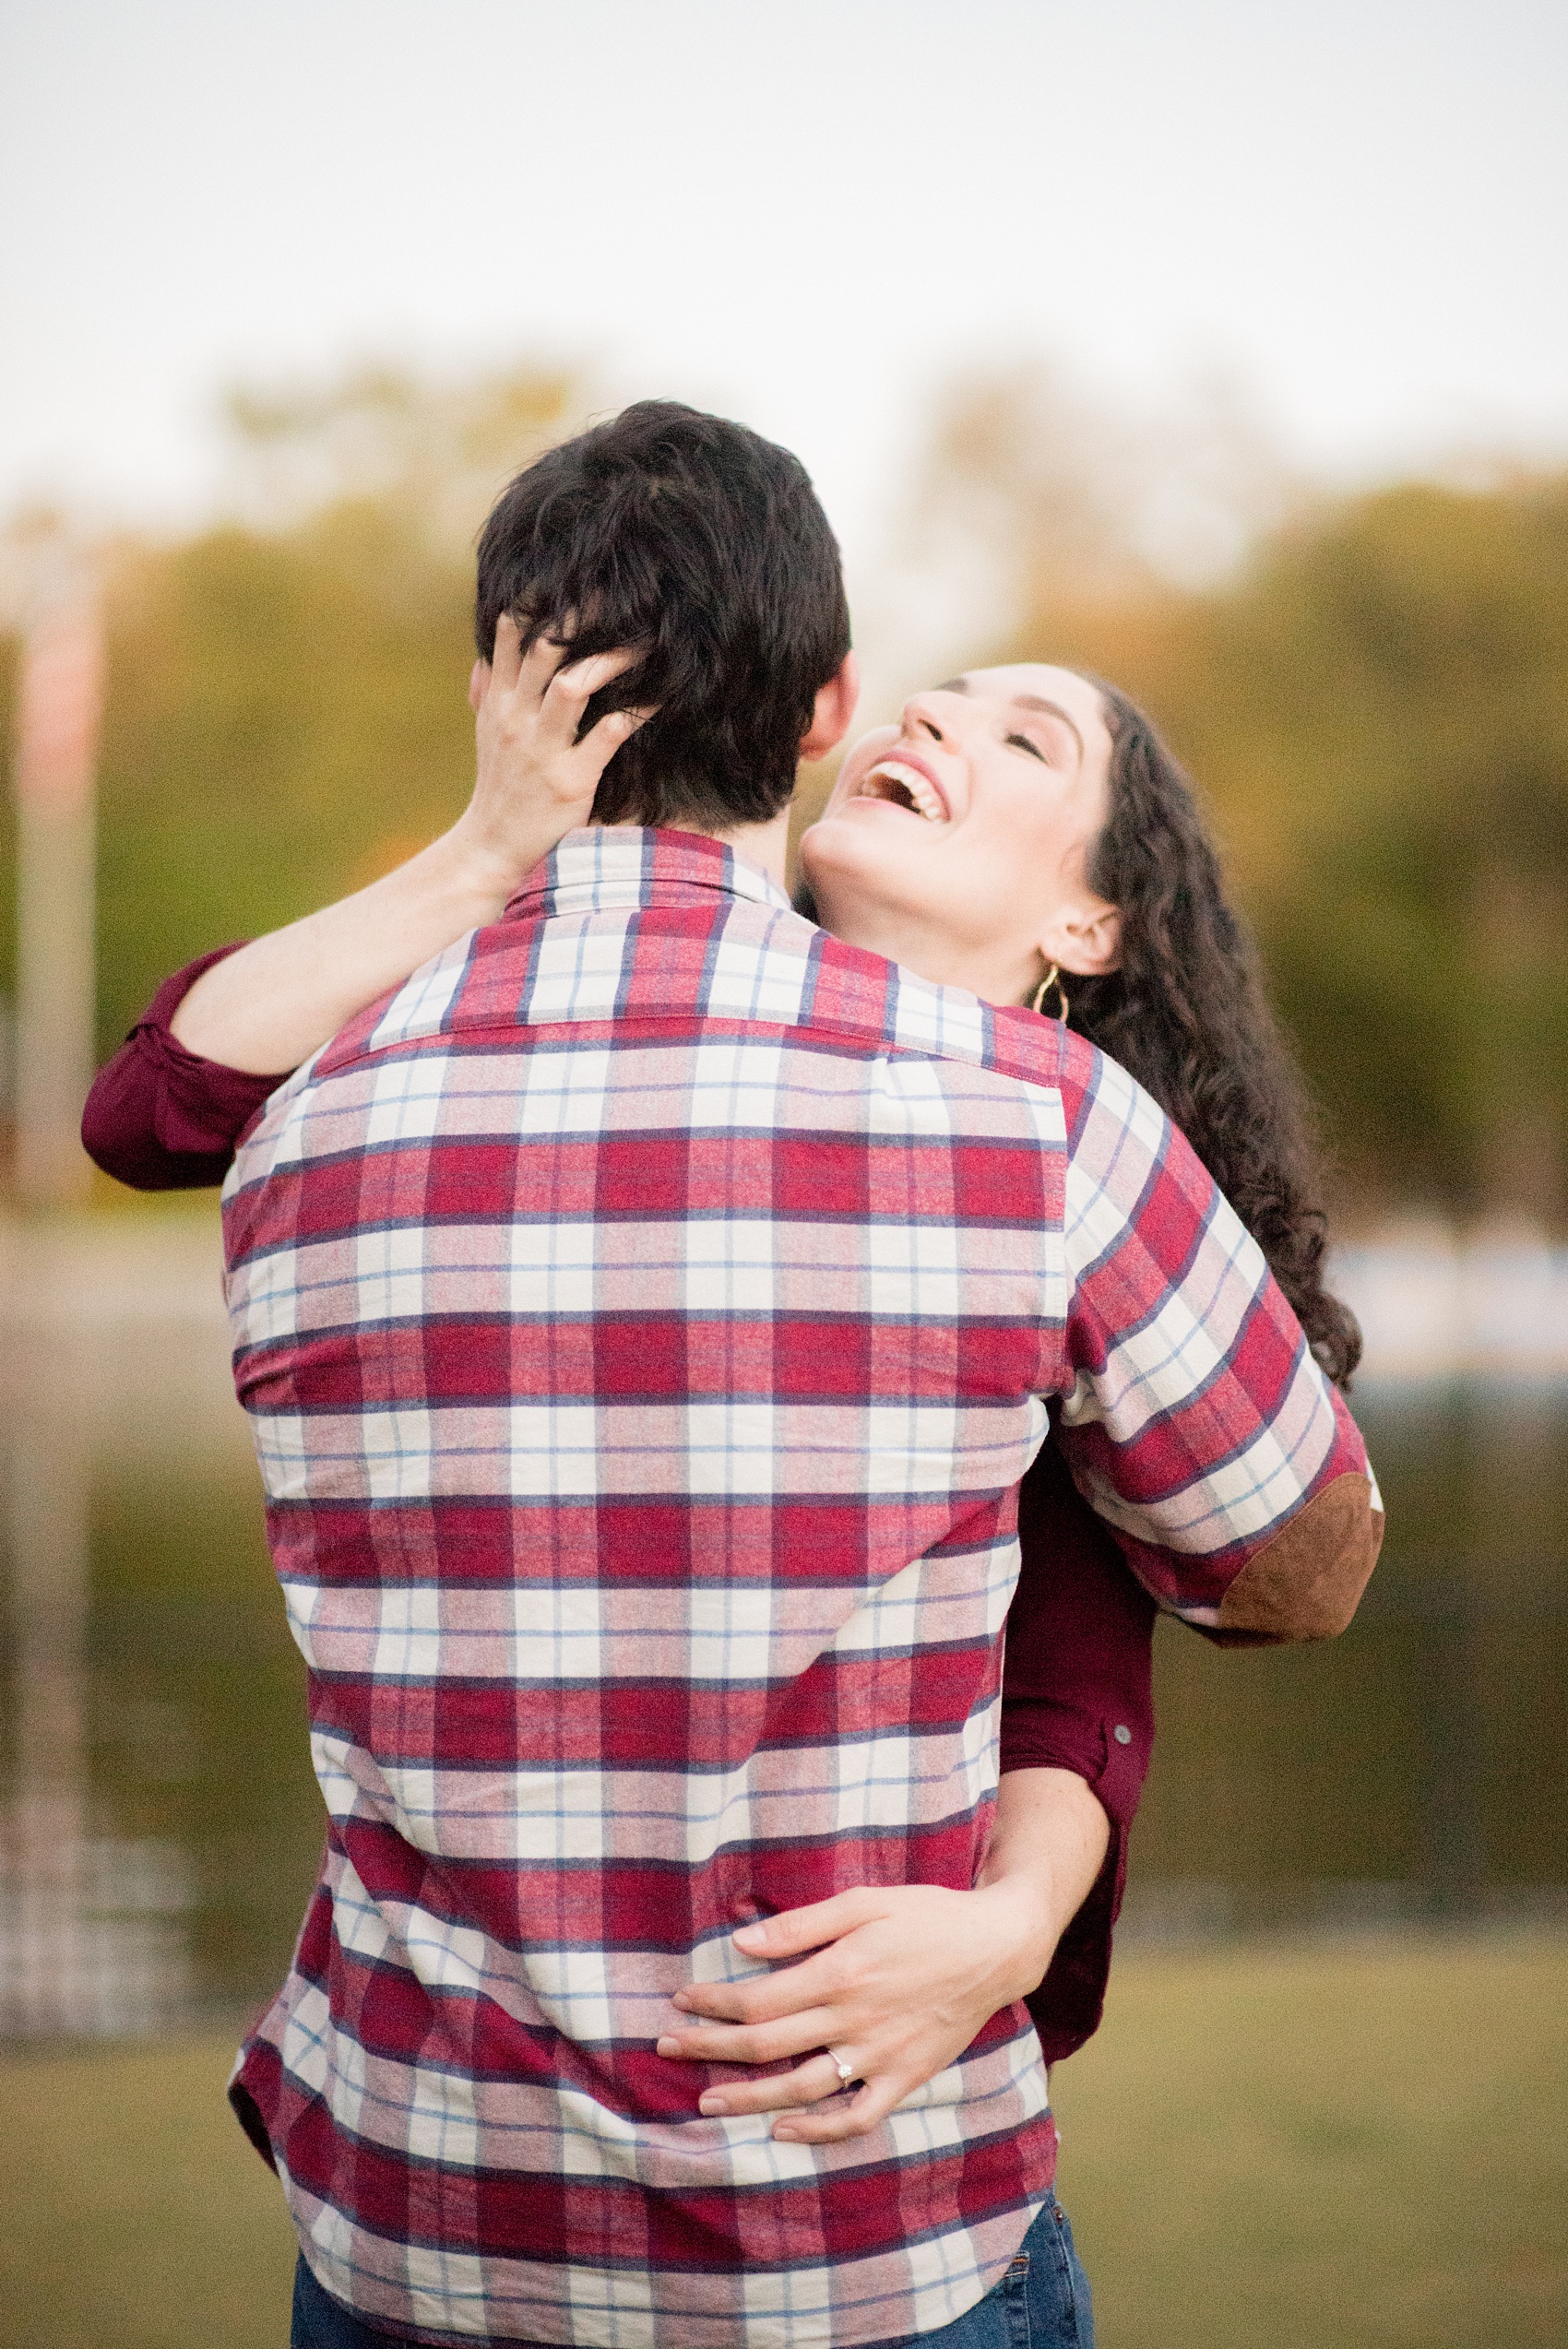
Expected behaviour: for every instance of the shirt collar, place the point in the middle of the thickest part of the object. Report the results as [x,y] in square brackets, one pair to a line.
[605,867]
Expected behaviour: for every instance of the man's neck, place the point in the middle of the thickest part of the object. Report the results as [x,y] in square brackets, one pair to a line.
[763,846]
[766,846]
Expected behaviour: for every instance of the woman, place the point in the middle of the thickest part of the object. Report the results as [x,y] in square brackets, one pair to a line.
[1148,960]
[1022,834]
[1022,828]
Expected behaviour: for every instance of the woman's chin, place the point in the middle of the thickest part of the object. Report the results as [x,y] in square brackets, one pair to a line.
[833,860]
[853,841]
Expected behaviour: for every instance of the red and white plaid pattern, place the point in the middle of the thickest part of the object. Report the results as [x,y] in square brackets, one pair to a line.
[646,1318]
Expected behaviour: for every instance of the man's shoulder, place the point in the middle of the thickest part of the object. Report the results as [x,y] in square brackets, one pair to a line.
[1039,1050]
[738,964]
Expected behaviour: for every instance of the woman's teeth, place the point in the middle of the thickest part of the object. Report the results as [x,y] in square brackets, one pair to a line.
[893,780]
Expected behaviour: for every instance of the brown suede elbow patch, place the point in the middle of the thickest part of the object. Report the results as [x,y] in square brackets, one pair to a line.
[1307,1582]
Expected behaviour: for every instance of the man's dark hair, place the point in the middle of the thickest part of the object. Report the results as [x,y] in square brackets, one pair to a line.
[705,546]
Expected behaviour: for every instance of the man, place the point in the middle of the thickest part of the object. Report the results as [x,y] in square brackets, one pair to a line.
[646,1318]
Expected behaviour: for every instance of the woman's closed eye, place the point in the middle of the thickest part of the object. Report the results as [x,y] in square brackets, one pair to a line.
[1022,743]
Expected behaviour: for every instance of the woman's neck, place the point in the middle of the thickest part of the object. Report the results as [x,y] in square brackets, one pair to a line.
[980,967]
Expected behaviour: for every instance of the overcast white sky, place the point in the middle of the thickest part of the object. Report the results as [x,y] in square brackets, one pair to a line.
[803,211]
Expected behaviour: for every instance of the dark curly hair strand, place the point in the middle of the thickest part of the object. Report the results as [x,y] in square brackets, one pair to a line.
[1187,1014]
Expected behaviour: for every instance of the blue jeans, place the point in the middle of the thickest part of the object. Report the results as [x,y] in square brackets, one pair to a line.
[1042,2302]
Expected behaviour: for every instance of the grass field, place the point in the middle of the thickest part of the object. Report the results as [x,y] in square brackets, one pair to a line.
[1354,2146]
[1359,2146]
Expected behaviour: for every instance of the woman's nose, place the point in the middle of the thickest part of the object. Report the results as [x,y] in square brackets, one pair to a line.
[922,716]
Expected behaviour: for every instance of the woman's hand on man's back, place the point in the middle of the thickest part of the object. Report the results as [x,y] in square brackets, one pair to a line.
[886,1984]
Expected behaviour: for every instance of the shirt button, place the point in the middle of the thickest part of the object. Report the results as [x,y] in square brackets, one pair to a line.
[1122,1734]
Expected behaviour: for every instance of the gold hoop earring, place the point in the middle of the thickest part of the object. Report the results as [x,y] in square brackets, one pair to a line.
[1053,979]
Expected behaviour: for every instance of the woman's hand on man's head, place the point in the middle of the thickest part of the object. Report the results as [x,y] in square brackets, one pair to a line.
[535,780]
[270,1005]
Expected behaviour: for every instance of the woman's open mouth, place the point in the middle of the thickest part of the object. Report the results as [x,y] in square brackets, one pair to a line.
[904,786]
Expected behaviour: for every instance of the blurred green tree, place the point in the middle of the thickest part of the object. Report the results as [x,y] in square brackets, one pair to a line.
[1374,699]
[1378,710]
[285,713]
[285,718]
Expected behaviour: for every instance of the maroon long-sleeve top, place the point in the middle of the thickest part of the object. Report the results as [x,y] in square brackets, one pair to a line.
[1076,1687]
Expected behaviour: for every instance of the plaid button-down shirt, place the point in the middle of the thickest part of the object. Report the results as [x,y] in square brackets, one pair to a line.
[646,1317]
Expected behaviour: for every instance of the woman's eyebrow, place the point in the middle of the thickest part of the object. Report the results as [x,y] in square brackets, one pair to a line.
[1051,709]
[1022,701]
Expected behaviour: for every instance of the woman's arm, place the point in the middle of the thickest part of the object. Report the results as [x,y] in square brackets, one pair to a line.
[917,1971]
[158,1118]
[270,1005]
[1078,1693]
[905,1976]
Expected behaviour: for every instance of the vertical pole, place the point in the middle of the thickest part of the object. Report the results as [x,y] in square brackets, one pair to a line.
[61,700]
[47,1974]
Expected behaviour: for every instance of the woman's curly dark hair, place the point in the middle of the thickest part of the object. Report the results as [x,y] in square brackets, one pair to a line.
[1188,1015]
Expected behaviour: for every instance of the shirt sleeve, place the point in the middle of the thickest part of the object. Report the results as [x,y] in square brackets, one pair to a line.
[160,1117]
[1197,1422]
[1078,1694]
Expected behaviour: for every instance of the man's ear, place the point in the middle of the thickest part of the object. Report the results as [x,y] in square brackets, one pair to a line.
[835,711]
[1084,937]
[479,678]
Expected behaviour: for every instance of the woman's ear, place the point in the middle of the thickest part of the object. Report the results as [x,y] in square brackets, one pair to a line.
[1084,938]
[835,711]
